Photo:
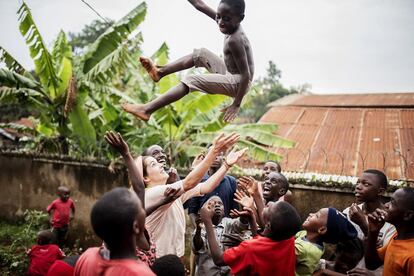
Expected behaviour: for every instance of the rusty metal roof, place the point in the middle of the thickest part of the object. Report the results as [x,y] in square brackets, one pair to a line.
[335,137]
[349,100]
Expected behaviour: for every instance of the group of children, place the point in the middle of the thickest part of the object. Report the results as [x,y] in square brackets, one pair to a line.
[143,228]
[241,227]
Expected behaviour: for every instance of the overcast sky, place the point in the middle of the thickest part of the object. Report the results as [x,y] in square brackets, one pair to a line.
[337,46]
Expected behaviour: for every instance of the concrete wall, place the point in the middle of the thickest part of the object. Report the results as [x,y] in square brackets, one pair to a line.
[31,183]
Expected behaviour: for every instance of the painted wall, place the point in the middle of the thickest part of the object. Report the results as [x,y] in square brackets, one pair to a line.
[31,183]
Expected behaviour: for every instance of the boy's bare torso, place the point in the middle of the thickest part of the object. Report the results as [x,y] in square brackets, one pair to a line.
[241,39]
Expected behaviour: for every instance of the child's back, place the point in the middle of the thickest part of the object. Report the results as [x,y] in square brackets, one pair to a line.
[44,254]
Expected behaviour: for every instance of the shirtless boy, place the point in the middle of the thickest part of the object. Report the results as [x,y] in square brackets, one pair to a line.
[231,77]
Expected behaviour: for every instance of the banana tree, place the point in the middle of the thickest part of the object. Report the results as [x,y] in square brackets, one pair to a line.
[60,93]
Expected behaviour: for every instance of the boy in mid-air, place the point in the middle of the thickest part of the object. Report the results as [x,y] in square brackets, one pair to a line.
[61,212]
[231,77]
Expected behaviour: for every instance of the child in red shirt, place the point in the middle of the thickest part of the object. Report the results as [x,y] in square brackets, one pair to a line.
[270,254]
[61,212]
[44,254]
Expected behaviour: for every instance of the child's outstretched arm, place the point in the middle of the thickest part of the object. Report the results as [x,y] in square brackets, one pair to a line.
[213,181]
[239,54]
[220,144]
[206,213]
[252,187]
[118,143]
[201,6]
[197,239]
[375,223]
[170,194]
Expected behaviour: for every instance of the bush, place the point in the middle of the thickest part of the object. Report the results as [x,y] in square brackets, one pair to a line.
[15,239]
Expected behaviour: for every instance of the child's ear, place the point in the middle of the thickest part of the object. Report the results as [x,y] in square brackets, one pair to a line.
[322,230]
[282,191]
[136,227]
[408,215]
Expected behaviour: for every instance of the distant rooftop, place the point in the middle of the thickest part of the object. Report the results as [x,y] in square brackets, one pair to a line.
[345,134]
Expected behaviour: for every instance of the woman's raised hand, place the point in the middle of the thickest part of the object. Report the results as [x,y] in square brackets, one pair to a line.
[221,143]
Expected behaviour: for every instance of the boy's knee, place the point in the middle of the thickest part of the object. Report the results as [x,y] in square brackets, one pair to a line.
[200,57]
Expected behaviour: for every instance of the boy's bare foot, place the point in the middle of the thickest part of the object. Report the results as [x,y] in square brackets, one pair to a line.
[137,110]
[150,67]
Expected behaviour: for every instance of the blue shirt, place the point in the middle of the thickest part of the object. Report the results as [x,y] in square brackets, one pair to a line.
[225,190]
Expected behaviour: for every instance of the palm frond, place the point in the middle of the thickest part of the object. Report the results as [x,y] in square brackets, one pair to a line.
[62,59]
[113,38]
[43,61]
[13,79]
[11,63]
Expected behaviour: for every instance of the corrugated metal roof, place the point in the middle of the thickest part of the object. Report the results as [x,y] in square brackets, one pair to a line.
[348,100]
[346,140]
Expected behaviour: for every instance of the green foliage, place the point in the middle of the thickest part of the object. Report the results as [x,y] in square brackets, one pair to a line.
[73,117]
[264,91]
[42,59]
[10,62]
[17,239]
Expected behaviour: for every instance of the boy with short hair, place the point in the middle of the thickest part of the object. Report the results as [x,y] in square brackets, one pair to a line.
[231,77]
[270,254]
[61,212]
[369,189]
[397,256]
[327,225]
[168,265]
[44,254]
[118,219]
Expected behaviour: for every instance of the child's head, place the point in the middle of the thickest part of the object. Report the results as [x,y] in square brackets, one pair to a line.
[270,166]
[118,217]
[338,228]
[316,222]
[168,265]
[218,208]
[275,185]
[400,209]
[229,15]
[157,152]
[44,237]
[348,254]
[371,185]
[63,193]
[281,220]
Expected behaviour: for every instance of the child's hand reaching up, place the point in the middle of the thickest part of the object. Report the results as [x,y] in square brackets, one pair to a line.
[117,142]
[244,199]
[357,216]
[376,220]
[170,194]
[247,213]
[207,212]
[249,184]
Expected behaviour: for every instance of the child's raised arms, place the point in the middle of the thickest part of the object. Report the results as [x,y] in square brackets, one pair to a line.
[201,6]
